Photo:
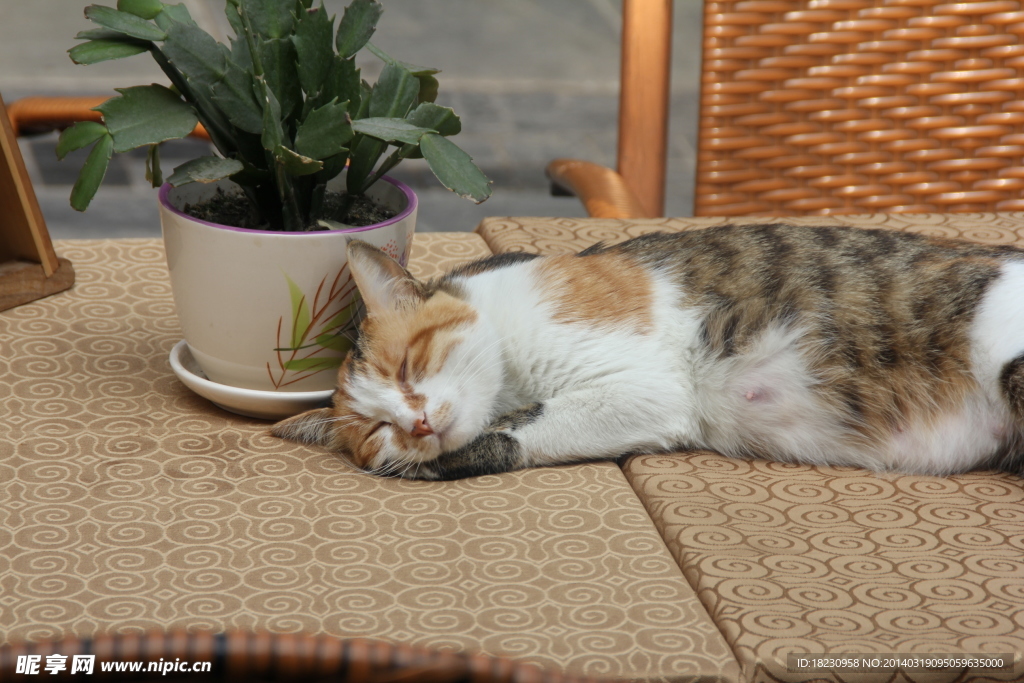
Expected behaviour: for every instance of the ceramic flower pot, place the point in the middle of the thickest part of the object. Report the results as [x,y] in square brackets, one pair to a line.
[271,311]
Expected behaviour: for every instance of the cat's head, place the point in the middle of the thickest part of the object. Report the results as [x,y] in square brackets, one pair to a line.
[421,380]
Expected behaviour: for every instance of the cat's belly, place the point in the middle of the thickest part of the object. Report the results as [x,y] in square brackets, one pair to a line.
[766,402]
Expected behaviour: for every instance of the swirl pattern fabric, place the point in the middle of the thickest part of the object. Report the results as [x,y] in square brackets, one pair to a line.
[570,235]
[789,558]
[129,503]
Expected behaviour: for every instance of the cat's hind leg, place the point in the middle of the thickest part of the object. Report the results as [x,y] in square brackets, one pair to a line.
[1011,382]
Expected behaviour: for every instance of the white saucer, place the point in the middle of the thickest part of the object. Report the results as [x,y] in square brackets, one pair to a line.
[266,405]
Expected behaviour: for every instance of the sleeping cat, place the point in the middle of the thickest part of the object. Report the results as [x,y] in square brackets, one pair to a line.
[838,346]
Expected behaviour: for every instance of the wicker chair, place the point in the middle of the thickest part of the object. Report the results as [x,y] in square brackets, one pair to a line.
[242,656]
[859,106]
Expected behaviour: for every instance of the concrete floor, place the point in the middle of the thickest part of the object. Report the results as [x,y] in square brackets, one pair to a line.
[533,80]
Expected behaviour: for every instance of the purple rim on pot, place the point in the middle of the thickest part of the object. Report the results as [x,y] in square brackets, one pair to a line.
[411,201]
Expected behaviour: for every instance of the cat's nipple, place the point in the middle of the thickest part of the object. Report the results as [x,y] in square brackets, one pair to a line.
[421,427]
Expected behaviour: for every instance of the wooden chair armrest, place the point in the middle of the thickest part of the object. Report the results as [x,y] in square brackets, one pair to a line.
[46,113]
[603,191]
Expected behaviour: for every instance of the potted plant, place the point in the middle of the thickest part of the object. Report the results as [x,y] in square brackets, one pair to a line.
[256,234]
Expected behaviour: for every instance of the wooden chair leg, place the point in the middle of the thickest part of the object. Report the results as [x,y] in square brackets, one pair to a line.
[644,99]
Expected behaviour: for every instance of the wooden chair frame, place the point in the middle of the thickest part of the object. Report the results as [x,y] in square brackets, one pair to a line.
[637,188]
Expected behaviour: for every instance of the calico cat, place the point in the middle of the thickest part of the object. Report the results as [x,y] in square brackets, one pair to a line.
[837,346]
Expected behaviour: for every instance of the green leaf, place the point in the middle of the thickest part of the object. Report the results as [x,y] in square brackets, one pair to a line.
[391,130]
[154,175]
[171,13]
[357,25]
[78,136]
[208,169]
[334,342]
[234,95]
[147,9]
[313,364]
[442,119]
[296,164]
[123,22]
[412,68]
[325,131]
[394,93]
[342,84]
[231,12]
[96,51]
[240,54]
[146,115]
[270,18]
[104,34]
[365,90]
[196,54]
[454,168]
[430,115]
[312,41]
[273,132]
[277,56]
[428,88]
[92,173]
[300,314]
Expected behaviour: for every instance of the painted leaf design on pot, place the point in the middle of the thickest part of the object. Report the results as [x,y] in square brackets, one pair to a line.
[319,331]
[300,314]
[312,364]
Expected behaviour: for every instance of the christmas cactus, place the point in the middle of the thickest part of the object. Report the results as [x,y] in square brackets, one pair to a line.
[284,105]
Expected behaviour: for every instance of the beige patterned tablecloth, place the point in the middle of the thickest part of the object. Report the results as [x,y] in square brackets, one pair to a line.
[127,503]
[791,559]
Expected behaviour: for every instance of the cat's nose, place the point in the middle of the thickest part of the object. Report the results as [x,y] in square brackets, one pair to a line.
[421,427]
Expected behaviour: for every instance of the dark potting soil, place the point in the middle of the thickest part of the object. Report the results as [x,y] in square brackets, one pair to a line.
[234,209]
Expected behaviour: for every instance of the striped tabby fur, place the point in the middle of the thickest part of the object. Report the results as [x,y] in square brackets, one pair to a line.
[839,346]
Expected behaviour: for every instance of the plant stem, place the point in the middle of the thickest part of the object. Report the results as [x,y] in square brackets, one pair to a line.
[289,204]
[386,166]
[257,65]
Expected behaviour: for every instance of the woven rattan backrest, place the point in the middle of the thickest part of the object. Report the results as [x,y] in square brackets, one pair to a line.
[859,106]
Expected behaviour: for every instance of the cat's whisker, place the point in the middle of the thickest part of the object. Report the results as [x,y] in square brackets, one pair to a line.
[405,470]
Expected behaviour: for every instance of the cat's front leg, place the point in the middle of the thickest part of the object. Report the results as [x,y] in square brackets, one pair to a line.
[597,423]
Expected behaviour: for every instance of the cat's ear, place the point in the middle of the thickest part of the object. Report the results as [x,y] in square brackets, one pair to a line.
[383,283]
[312,427]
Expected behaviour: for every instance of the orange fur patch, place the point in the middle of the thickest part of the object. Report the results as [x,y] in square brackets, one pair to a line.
[604,290]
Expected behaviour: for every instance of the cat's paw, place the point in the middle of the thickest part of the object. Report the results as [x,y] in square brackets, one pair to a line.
[493,452]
